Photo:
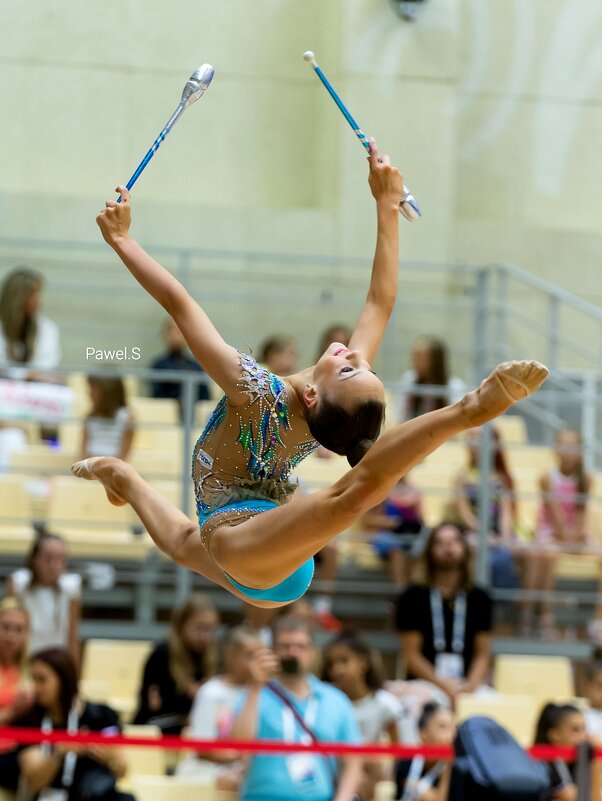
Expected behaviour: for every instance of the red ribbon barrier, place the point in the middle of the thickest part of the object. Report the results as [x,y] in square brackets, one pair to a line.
[18,736]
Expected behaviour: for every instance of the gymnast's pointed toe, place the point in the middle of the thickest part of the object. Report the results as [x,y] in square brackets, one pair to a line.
[519,379]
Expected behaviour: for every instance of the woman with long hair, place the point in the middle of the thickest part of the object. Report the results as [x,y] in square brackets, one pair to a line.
[109,426]
[176,668]
[72,771]
[51,595]
[248,539]
[15,695]
[429,368]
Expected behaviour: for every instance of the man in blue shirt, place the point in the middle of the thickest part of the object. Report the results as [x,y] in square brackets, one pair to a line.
[263,715]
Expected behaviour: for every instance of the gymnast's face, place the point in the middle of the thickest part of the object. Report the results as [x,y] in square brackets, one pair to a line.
[345,377]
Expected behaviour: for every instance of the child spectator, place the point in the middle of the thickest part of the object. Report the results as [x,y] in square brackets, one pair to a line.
[175,358]
[428,780]
[562,519]
[280,354]
[109,427]
[400,514]
[58,771]
[564,725]
[176,669]
[502,509]
[51,595]
[350,665]
[212,714]
[15,697]
[429,368]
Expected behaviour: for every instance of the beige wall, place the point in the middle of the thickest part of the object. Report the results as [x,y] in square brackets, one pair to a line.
[491,107]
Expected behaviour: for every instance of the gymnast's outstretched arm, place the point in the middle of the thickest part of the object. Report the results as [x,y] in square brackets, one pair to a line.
[386,184]
[220,360]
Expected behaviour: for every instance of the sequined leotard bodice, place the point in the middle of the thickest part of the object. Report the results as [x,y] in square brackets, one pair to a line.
[248,452]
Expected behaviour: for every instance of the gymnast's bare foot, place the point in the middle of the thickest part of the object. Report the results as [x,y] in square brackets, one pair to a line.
[100,468]
[509,383]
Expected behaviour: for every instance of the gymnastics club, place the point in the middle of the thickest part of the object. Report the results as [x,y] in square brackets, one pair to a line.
[408,206]
[196,87]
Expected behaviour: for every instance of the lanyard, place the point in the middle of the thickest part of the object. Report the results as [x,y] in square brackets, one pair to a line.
[415,787]
[71,756]
[459,629]
[288,722]
[563,772]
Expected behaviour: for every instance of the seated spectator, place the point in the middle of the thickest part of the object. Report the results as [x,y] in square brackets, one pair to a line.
[77,772]
[51,595]
[338,332]
[593,694]
[176,669]
[212,714]
[445,623]
[175,358]
[352,667]
[428,780]
[429,368]
[564,725]
[28,340]
[394,525]
[295,707]
[562,520]
[280,354]
[109,427]
[15,695]
[502,509]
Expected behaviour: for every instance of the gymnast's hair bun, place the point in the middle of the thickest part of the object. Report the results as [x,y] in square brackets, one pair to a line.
[357,450]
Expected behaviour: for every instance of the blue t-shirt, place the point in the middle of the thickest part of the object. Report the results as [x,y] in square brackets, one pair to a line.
[289,777]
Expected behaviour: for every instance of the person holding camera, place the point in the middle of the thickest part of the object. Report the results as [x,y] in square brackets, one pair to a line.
[286,702]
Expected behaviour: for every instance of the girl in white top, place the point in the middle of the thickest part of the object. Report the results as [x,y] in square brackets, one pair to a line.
[211,715]
[351,666]
[109,428]
[50,595]
[429,367]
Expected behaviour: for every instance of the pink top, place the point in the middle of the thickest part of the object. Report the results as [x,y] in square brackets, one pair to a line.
[564,491]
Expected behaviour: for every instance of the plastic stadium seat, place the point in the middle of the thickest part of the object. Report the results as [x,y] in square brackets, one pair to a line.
[155,410]
[142,761]
[535,457]
[517,713]
[512,429]
[78,506]
[316,473]
[541,677]
[175,788]
[42,459]
[15,506]
[120,664]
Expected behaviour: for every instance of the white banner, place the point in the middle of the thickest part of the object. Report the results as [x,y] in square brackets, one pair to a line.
[35,401]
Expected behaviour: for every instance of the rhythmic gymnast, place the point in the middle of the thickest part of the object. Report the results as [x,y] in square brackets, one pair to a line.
[248,539]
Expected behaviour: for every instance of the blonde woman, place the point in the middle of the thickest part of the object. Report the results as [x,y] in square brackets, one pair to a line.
[15,696]
[176,668]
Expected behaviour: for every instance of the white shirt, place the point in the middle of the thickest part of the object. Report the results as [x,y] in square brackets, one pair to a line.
[46,350]
[593,722]
[211,714]
[105,434]
[374,714]
[456,389]
[48,607]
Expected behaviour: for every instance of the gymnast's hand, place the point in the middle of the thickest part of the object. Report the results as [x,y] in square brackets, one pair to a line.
[263,665]
[114,220]
[386,182]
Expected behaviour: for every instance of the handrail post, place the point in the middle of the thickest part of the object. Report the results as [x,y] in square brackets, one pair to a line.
[483,571]
[184,576]
[480,322]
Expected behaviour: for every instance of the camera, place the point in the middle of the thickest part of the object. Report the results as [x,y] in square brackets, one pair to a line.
[290,666]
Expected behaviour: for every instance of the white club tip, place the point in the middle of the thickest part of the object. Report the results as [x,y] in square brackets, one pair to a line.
[309,56]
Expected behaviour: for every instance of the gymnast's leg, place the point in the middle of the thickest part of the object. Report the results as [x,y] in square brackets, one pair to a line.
[264,550]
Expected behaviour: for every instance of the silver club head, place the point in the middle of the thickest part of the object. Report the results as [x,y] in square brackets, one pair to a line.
[197,84]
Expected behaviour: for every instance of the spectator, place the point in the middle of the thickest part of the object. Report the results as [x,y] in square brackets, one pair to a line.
[27,337]
[502,508]
[212,715]
[428,780]
[561,520]
[80,771]
[175,358]
[445,624]
[394,525]
[51,595]
[15,696]
[564,725]
[280,354]
[353,668]
[593,694]
[338,332]
[109,427]
[287,709]
[429,368]
[176,669]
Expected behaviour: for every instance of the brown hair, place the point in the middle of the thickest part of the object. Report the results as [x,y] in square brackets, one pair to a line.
[273,345]
[429,559]
[19,285]
[35,550]
[13,604]
[349,434]
[327,337]
[181,665]
[112,396]
[500,466]
[60,661]
[438,376]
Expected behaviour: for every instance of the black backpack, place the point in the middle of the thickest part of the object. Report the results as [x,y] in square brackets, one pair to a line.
[491,766]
